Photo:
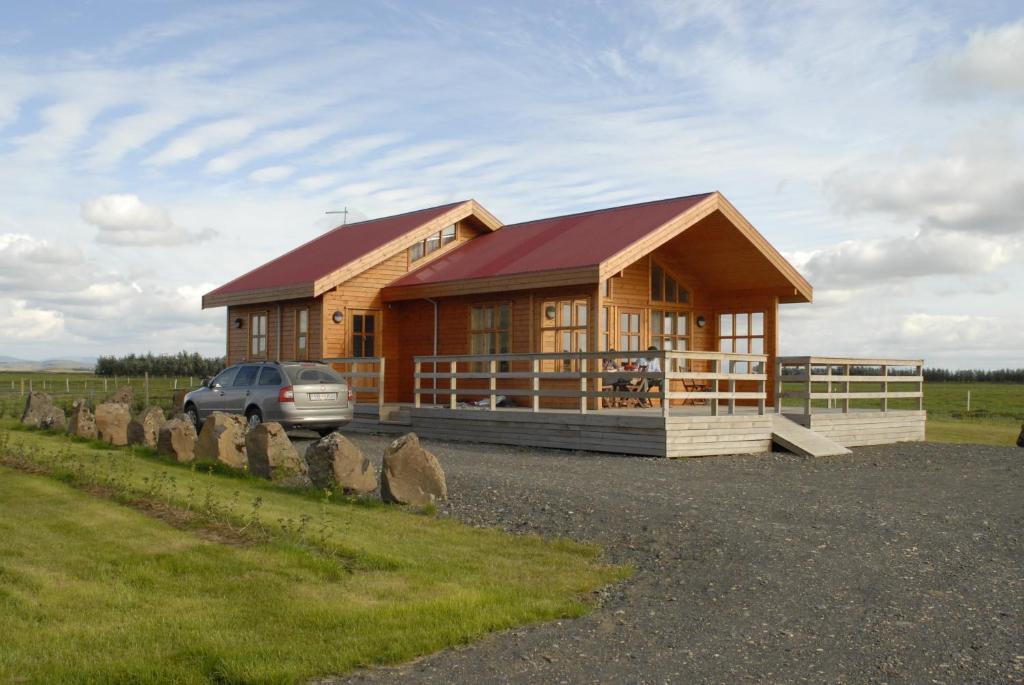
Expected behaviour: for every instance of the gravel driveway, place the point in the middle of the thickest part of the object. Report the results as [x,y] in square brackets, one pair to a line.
[897,564]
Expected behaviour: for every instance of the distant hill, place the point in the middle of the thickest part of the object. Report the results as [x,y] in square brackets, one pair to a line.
[75,364]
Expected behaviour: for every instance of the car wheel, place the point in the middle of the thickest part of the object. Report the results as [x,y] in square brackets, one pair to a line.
[193,415]
[254,417]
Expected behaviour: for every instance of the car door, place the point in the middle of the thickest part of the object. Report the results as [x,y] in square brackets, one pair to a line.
[213,399]
[236,397]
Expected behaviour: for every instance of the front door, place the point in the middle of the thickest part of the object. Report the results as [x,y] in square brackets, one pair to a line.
[365,341]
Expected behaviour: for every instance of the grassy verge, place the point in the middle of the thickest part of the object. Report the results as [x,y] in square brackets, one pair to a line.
[975,432]
[249,583]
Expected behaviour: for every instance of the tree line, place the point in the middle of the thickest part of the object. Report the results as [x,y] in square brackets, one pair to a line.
[974,375]
[181,364]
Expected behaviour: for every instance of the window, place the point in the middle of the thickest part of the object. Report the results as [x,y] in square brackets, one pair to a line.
[742,333]
[606,333]
[665,288]
[629,331]
[364,335]
[669,330]
[269,376]
[258,332]
[564,327]
[226,377]
[606,288]
[246,376]
[302,334]
[432,243]
[489,327]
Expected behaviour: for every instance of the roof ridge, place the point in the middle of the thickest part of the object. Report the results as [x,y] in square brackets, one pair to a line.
[609,209]
[395,216]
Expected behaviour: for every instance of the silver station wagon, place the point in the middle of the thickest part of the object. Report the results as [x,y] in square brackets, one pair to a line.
[295,394]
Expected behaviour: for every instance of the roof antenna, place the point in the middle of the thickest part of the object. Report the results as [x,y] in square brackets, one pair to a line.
[343,212]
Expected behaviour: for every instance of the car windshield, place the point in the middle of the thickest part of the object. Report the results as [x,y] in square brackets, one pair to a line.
[309,374]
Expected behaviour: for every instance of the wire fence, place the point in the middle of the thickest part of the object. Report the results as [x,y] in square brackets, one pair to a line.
[65,389]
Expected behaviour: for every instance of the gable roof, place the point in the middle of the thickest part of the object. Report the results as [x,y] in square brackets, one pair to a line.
[335,256]
[577,249]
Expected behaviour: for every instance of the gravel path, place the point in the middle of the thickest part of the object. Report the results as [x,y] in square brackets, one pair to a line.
[897,564]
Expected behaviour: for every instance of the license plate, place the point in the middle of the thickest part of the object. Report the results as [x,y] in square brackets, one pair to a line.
[320,396]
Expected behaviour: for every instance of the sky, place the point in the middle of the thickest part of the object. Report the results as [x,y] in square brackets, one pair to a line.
[151,151]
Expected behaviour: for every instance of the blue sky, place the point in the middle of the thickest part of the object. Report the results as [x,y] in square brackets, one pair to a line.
[150,151]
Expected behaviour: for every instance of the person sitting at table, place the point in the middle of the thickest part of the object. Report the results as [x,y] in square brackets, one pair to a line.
[619,384]
[651,364]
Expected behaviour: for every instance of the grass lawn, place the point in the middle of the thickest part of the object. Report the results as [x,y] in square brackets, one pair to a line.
[250,583]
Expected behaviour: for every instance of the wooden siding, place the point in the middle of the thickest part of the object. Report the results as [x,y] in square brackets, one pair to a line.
[859,428]
[239,343]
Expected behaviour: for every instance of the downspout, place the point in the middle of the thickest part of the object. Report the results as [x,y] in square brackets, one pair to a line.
[433,380]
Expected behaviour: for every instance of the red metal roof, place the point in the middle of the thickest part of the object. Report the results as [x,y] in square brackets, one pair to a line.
[563,242]
[331,251]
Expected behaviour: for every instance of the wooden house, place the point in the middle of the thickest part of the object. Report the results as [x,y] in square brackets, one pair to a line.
[450,302]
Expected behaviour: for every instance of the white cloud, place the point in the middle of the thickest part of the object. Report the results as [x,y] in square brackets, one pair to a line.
[271,173]
[21,322]
[124,220]
[991,62]
[201,139]
[928,252]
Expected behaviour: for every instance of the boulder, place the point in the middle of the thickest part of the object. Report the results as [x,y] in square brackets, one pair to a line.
[334,462]
[1020,438]
[177,438]
[145,428]
[272,455]
[223,439]
[112,419]
[83,422]
[178,400]
[410,474]
[40,412]
[123,395]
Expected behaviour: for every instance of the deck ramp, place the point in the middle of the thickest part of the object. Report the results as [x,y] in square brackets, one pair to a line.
[803,441]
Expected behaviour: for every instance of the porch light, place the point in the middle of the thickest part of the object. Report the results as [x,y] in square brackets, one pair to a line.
[238,322]
[701,321]
[337,317]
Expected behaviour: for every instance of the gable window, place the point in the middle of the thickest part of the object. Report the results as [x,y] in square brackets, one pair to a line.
[489,332]
[258,335]
[302,334]
[432,243]
[665,288]
[742,333]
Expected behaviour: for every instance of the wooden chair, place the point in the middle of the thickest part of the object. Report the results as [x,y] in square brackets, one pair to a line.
[692,385]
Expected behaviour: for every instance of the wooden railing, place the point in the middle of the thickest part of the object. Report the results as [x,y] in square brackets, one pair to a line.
[593,375]
[359,368]
[848,374]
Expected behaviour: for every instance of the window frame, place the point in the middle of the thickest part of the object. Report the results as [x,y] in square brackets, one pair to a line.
[748,337]
[301,354]
[255,335]
[658,339]
[361,333]
[494,331]
[433,242]
[666,275]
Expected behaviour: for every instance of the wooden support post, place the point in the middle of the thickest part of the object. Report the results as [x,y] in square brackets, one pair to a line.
[807,387]
[147,387]
[21,393]
[761,400]
[732,395]
[452,384]
[778,386]
[846,389]
[416,383]
[828,375]
[885,388]
[493,383]
[583,386]
[716,365]
[380,385]
[663,388]
[67,384]
[920,388]
[536,385]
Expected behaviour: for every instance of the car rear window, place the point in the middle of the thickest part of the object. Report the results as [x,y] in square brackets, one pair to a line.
[270,376]
[247,376]
[303,374]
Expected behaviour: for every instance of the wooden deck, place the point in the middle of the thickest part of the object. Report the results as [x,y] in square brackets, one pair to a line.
[684,423]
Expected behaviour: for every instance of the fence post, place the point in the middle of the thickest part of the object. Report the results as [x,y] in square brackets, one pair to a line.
[920,388]
[416,383]
[453,385]
[380,385]
[663,388]
[846,389]
[828,374]
[583,385]
[492,369]
[808,405]
[147,388]
[716,365]
[885,388]
[536,385]
[21,393]
[67,384]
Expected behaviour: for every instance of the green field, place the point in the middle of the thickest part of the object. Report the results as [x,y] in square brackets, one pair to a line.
[997,409]
[118,567]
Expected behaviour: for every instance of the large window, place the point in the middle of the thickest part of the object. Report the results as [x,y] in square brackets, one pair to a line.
[629,331]
[489,332]
[665,288]
[258,335]
[670,330]
[302,334]
[432,243]
[743,333]
[364,335]
[565,327]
